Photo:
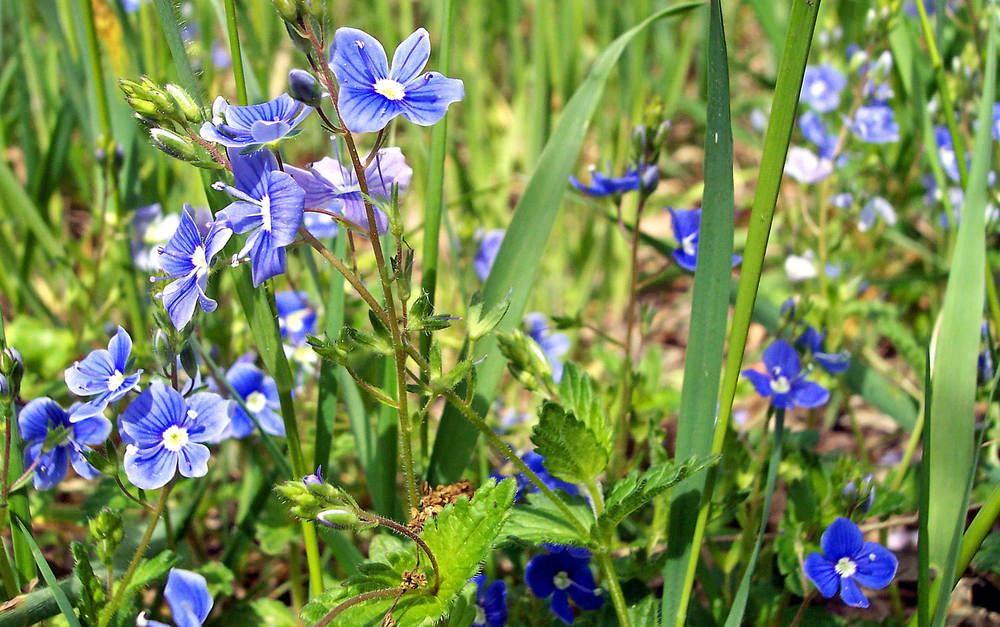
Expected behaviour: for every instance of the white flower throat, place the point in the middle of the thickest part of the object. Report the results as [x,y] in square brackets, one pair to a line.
[392,90]
[175,438]
[845,567]
[199,261]
[256,402]
[265,213]
[115,381]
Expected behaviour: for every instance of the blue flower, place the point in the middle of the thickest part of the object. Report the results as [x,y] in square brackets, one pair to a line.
[163,432]
[56,438]
[785,379]
[296,318]
[847,560]
[553,343]
[260,394]
[221,58]
[150,230]
[315,478]
[536,463]
[131,6]
[946,152]
[256,125]
[372,93]
[187,595]
[843,200]
[814,130]
[996,121]
[186,260]
[874,124]
[834,363]
[603,185]
[329,184]
[103,374]
[686,224]
[489,246]
[875,207]
[804,166]
[821,87]
[563,573]
[491,603]
[270,204]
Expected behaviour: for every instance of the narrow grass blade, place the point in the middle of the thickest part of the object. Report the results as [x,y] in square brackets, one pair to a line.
[169,25]
[521,252]
[50,579]
[326,405]
[20,208]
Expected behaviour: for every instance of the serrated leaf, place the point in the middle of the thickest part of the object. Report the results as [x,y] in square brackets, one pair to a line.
[634,490]
[150,570]
[464,612]
[539,521]
[646,612]
[576,393]
[92,595]
[571,450]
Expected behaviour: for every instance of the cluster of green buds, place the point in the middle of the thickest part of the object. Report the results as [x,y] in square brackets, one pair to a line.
[525,358]
[314,499]
[107,530]
[301,17]
[11,372]
[862,496]
[648,140]
[168,113]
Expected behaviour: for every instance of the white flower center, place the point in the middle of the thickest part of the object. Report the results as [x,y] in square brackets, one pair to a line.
[295,321]
[265,213]
[480,615]
[199,260]
[845,567]
[781,385]
[817,89]
[392,90]
[256,402]
[115,381]
[687,244]
[561,580]
[175,438]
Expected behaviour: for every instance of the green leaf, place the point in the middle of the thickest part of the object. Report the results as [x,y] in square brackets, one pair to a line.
[576,393]
[149,571]
[520,254]
[537,520]
[634,491]
[465,610]
[571,450]
[92,595]
[646,612]
[50,579]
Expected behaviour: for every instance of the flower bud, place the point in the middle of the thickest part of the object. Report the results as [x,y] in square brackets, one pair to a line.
[314,479]
[314,8]
[174,145]
[287,9]
[131,88]
[304,87]
[12,369]
[144,107]
[339,518]
[649,178]
[186,105]
[108,530]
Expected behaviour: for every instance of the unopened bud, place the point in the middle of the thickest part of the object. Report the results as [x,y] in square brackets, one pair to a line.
[339,518]
[174,145]
[144,107]
[304,87]
[287,9]
[186,105]
[11,369]
[314,8]
[108,530]
[131,88]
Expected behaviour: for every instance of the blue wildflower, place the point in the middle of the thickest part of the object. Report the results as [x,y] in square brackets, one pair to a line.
[329,184]
[536,463]
[814,130]
[946,152]
[603,185]
[256,125]
[55,438]
[821,87]
[875,207]
[187,595]
[164,434]
[151,228]
[269,203]
[372,93]
[874,124]
[785,379]
[834,363]
[843,200]
[686,224]
[315,478]
[103,374]
[186,260]
[296,318]
[260,395]
[489,246]
[554,344]
[847,560]
[132,6]
[491,603]
[221,58]
[804,166]
[563,574]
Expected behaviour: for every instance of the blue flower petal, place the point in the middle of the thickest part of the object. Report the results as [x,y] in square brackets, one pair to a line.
[354,210]
[191,590]
[192,460]
[560,607]
[428,96]
[51,469]
[89,376]
[179,299]
[781,359]
[761,382]
[152,413]
[821,572]
[34,419]
[809,394]
[91,430]
[266,259]
[684,260]
[245,378]
[212,415]
[387,169]
[149,468]
[410,56]
[851,594]
[81,465]
[267,131]
[318,193]
[494,604]
[286,201]
[876,566]
[834,363]
[540,575]
[841,539]
[365,110]
[271,422]
[357,59]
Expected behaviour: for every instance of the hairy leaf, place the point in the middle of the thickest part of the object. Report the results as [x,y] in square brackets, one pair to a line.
[576,392]
[572,451]
[539,521]
[92,596]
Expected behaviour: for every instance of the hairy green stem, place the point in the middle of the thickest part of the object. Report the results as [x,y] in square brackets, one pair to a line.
[604,561]
[236,54]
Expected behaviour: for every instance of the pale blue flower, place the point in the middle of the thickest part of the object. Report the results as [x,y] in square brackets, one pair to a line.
[254,126]
[103,374]
[875,207]
[805,166]
[821,87]
[489,246]
[57,438]
[874,124]
[187,595]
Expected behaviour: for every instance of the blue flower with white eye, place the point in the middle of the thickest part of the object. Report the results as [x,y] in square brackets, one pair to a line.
[254,126]
[814,130]
[805,166]
[328,184]
[875,207]
[491,603]
[847,560]
[186,260]
[296,318]
[164,434]
[187,595]
[103,374]
[489,246]
[372,93]
[554,344]
[55,438]
[151,228]
[268,202]
[874,124]
[821,87]
[604,185]
[843,200]
[834,363]
[785,381]
[563,574]
[686,224]
[946,152]
[260,395]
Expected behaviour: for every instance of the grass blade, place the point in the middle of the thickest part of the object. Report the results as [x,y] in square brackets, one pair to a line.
[50,579]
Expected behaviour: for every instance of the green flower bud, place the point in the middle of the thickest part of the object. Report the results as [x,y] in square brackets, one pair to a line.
[287,9]
[12,369]
[108,530]
[340,518]
[174,145]
[304,87]
[185,104]
[144,107]
[131,88]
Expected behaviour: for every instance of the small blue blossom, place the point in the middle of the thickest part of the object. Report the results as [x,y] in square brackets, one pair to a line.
[164,433]
[489,246]
[874,124]
[491,603]
[186,260]
[946,152]
[843,200]
[256,125]
[834,363]
[221,58]
[315,478]
[875,207]
[57,438]
[686,224]
[372,93]
[296,318]
[132,6]
[260,395]
[151,228]
[554,344]
[269,203]
[328,184]
[996,121]
[536,463]
[821,87]
[187,595]
[603,185]
[847,560]
[814,130]
[804,166]
[563,574]
[785,380]
[103,374]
